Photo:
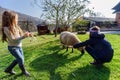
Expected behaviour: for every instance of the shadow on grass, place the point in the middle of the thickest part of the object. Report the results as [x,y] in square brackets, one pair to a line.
[90,73]
[10,77]
[4,77]
[51,62]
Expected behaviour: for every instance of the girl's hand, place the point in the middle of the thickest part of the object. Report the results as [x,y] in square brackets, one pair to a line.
[31,35]
[26,34]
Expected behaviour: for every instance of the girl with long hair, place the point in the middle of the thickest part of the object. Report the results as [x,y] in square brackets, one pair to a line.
[13,35]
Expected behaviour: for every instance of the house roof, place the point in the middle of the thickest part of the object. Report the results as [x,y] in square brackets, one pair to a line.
[99,19]
[116,8]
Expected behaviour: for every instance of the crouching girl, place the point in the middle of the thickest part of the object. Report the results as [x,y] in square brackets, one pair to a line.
[97,46]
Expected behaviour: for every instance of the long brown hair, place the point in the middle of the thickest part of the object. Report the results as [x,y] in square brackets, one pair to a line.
[9,19]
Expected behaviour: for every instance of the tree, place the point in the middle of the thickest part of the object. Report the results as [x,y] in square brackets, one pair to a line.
[64,11]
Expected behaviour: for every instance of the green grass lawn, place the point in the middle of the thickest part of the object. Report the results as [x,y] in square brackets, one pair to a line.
[45,60]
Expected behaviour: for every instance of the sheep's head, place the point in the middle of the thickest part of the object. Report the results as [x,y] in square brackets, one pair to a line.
[81,49]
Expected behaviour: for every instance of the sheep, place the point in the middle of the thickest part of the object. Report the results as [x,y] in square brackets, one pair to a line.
[68,39]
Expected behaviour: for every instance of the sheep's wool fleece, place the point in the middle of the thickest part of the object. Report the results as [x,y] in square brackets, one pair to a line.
[68,38]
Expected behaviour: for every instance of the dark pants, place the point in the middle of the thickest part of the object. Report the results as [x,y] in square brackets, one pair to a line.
[17,52]
[100,56]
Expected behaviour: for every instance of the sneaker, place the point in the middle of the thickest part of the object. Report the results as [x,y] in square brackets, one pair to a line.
[10,72]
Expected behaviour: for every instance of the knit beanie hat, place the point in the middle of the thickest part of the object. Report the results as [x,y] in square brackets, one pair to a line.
[95,29]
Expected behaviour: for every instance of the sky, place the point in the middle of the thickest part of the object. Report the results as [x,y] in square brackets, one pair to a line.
[27,7]
[104,6]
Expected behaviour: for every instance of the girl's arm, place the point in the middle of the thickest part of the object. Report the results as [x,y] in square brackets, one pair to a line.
[10,37]
[85,43]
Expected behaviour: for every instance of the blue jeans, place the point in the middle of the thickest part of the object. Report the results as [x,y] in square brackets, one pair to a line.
[17,52]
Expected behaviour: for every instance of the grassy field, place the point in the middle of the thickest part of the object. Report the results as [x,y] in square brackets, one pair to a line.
[45,60]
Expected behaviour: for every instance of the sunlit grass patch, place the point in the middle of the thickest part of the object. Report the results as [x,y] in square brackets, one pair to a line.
[46,60]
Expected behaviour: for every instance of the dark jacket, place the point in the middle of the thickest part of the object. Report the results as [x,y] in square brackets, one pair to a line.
[99,44]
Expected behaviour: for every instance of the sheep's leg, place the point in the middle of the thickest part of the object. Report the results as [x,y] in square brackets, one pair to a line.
[63,46]
[66,48]
[72,49]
